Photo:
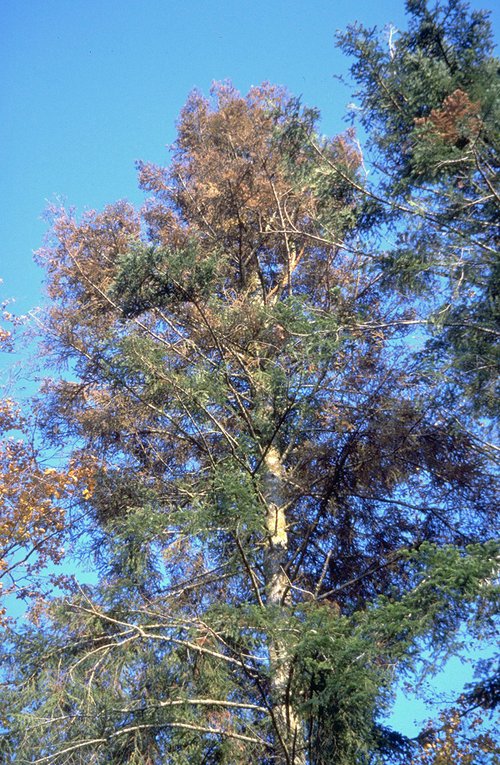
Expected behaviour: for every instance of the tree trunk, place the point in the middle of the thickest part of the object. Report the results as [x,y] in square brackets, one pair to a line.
[289,731]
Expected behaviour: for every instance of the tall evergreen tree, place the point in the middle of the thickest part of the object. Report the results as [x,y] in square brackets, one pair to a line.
[430,103]
[283,512]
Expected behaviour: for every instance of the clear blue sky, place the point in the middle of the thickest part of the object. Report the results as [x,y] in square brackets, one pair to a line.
[89,86]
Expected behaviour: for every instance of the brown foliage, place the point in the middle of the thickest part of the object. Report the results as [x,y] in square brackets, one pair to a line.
[32,515]
[459,741]
[457,122]
[230,185]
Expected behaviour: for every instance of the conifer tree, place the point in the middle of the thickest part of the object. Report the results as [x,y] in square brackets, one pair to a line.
[282,511]
[429,101]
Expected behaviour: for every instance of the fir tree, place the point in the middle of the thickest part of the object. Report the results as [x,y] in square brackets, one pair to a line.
[430,103]
[283,512]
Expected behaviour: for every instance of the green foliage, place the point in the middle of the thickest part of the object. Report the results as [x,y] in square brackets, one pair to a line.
[430,103]
[150,277]
[444,49]
[345,666]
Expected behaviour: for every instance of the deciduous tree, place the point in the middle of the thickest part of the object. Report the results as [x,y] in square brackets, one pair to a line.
[32,515]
